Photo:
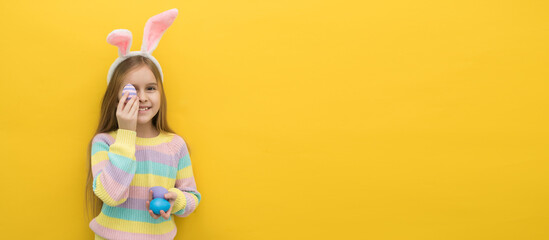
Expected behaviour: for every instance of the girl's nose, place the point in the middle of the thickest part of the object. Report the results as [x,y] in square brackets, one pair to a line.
[142,96]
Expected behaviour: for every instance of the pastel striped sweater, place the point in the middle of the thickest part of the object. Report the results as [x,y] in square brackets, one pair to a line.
[124,167]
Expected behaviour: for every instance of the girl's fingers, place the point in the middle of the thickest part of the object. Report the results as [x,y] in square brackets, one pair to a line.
[125,99]
[170,210]
[135,108]
[131,103]
[153,215]
[125,104]
[148,206]
[150,211]
[164,215]
[171,196]
[122,100]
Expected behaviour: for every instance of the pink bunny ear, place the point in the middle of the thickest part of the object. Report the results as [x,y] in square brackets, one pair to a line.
[155,27]
[122,38]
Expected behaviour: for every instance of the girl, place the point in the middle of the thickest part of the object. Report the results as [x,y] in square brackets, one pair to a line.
[134,149]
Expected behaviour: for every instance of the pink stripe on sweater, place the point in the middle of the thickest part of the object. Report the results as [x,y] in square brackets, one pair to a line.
[113,188]
[154,156]
[97,167]
[122,177]
[168,147]
[164,148]
[190,207]
[103,137]
[133,203]
[137,192]
[185,183]
[114,234]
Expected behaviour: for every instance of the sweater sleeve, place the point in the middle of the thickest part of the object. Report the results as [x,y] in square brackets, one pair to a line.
[188,196]
[113,166]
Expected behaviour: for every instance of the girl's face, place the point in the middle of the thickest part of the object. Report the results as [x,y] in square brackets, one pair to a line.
[145,84]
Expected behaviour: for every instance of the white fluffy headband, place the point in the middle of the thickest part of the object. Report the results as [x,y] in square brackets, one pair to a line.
[154,28]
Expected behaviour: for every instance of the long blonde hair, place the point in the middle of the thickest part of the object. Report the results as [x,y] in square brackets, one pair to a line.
[108,121]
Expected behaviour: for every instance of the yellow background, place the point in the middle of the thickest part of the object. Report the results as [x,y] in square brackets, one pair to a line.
[394,119]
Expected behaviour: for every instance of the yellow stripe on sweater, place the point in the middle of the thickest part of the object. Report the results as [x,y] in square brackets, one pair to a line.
[97,237]
[124,144]
[99,157]
[185,172]
[145,180]
[164,137]
[135,227]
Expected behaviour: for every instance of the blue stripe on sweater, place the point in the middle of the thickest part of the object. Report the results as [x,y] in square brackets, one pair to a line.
[99,146]
[131,214]
[143,167]
[180,212]
[149,167]
[95,180]
[184,162]
[124,163]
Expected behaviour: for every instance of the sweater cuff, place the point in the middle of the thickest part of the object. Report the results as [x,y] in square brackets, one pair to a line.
[126,136]
[180,202]
[124,144]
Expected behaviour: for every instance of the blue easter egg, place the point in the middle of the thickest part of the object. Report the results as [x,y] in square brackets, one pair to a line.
[158,191]
[131,89]
[158,204]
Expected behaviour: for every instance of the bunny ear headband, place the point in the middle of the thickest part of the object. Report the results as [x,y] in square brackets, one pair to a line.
[154,28]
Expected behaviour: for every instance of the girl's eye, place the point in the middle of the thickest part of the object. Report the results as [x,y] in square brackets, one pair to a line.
[152,88]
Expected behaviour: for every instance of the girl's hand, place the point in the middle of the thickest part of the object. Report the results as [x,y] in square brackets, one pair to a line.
[171,197]
[126,113]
